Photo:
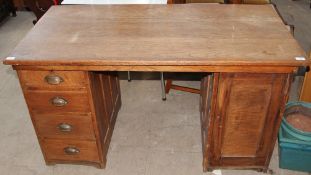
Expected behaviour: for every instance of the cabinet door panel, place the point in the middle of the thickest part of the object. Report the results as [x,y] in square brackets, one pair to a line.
[246,118]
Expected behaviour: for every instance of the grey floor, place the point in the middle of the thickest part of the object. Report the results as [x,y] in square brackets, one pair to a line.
[151,137]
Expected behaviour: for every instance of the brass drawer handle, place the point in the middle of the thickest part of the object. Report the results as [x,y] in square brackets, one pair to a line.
[71,150]
[53,79]
[59,101]
[64,127]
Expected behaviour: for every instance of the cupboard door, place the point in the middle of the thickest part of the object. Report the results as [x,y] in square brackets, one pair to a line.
[247,118]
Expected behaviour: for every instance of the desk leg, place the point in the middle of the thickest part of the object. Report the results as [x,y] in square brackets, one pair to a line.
[163,86]
[73,113]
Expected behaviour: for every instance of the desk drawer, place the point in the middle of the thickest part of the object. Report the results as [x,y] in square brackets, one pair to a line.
[54,80]
[56,102]
[70,150]
[72,126]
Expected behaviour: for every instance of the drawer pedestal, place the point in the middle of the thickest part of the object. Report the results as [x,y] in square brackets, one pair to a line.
[240,117]
[73,113]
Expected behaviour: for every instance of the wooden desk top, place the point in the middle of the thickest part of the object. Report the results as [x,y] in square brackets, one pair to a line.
[180,34]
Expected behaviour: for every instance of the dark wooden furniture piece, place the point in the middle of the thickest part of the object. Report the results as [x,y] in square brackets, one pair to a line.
[39,7]
[73,94]
[6,7]
[19,4]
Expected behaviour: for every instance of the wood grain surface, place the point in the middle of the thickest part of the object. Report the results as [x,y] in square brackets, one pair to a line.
[54,150]
[93,101]
[306,88]
[242,119]
[40,101]
[177,34]
[48,126]
[36,80]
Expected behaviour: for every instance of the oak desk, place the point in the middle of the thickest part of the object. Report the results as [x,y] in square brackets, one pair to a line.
[67,69]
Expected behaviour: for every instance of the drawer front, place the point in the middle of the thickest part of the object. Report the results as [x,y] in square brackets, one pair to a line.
[70,150]
[72,126]
[52,79]
[55,102]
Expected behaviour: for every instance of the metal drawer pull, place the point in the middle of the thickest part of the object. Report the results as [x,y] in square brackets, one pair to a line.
[71,150]
[59,101]
[64,127]
[53,79]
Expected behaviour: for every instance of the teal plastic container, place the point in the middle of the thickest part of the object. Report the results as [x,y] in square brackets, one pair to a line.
[294,144]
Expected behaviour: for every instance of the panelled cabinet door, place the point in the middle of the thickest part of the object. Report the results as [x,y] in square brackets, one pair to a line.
[246,118]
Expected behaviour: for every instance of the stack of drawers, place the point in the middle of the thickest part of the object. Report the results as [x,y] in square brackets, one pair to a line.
[60,105]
